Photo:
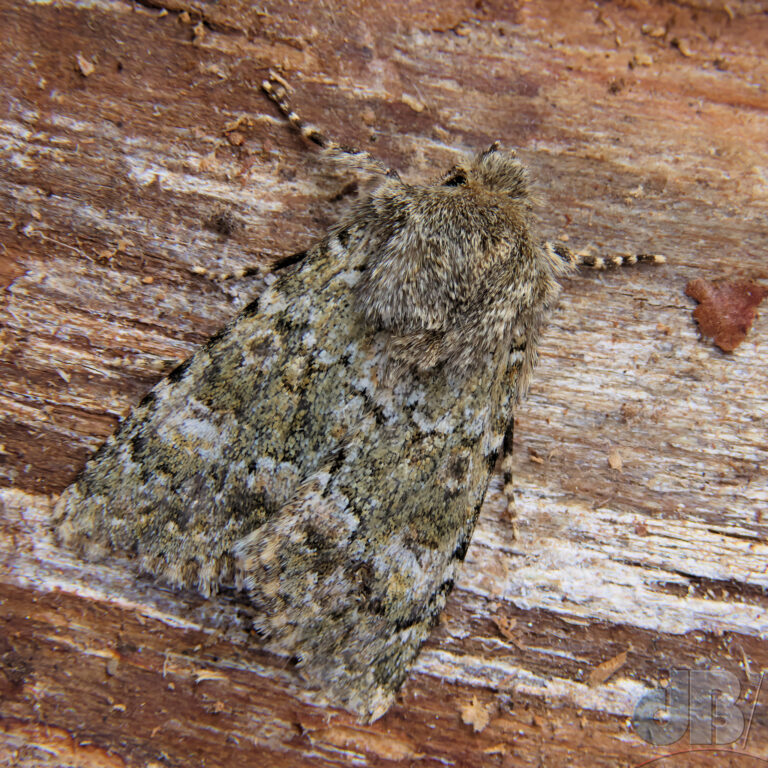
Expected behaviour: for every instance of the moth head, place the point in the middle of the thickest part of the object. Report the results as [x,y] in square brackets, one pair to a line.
[496,171]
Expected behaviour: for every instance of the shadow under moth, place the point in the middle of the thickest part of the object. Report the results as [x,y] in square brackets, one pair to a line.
[327,452]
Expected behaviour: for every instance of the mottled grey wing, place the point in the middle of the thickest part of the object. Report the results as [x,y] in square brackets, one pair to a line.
[351,574]
[281,455]
[223,441]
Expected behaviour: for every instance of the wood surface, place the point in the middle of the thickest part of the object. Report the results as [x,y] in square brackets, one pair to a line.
[137,152]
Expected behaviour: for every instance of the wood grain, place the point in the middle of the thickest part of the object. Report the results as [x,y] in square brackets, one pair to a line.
[644,125]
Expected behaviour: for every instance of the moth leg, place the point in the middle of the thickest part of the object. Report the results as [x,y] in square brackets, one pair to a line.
[237,274]
[583,259]
[277,90]
[249,271]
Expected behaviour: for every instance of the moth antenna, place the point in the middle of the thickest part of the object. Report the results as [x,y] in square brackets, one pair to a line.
[277,90]
[604,262]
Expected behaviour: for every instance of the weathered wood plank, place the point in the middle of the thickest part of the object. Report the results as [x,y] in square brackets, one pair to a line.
[645,128]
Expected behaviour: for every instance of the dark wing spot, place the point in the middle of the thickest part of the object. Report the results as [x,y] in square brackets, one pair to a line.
[461,549]
[251,309]
[217,337]
[150,397]
[289,261]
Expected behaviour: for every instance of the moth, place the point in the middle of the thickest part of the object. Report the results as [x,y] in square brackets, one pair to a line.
[327,452]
